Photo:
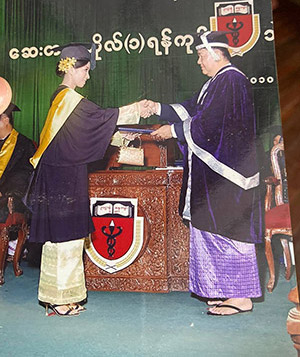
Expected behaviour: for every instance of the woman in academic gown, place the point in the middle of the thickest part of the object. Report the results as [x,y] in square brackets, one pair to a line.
[76,132]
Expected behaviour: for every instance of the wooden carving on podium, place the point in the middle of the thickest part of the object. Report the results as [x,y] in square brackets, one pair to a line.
[162,264]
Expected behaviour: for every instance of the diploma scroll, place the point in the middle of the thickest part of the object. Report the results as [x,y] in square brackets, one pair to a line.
[136,130]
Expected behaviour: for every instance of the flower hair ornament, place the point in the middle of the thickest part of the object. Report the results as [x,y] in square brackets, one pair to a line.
[66,63]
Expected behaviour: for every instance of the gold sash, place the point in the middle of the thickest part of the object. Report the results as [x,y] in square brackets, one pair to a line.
[7,150]
[63,105]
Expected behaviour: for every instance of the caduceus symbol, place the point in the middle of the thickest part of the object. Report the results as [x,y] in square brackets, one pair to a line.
[111,236]
[235,27]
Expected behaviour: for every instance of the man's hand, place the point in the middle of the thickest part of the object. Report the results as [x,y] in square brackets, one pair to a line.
[147,108]
[152,106]
[145,111]
[163,133]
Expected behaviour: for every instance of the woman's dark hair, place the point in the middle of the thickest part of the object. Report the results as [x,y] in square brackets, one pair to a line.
[78,64]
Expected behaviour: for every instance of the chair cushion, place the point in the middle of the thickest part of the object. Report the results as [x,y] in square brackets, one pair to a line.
[278,217]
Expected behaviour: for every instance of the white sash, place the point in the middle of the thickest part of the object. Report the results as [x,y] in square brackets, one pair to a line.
[225,171]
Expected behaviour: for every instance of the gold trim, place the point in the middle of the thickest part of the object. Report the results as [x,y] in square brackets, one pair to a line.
[7,150]
[62,107]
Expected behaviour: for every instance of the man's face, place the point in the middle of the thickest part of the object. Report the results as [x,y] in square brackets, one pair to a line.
[206,62]
[3,121]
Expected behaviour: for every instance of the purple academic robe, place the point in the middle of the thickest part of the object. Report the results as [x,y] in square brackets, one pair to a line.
[59,197]
[223,124]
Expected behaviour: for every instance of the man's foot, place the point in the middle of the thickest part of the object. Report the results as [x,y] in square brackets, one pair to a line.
[214,302]
[231,307]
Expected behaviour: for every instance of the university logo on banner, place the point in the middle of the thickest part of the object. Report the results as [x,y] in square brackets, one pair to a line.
[237,17]
[118,236]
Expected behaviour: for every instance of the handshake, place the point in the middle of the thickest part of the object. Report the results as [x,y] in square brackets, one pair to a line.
[148,108]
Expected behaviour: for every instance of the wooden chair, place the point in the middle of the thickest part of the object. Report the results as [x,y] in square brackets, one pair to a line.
[16,222]
[277,218]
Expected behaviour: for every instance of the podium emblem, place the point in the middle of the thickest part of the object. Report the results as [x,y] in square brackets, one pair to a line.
[237,17]
[118,236]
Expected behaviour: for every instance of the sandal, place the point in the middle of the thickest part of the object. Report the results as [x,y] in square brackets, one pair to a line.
[214,302]
[236,310]
[77,307]
[69,312]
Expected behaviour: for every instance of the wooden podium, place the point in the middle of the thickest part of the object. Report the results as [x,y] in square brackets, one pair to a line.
[162,264]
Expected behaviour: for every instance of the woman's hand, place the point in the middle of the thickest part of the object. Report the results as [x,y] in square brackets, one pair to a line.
[147,108]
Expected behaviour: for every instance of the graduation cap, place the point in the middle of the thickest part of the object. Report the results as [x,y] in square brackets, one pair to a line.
[11,108]
[5,94]
[210,40]
[79,51]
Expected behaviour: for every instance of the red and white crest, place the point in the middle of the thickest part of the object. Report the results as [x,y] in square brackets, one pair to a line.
[118,236]
[237,17]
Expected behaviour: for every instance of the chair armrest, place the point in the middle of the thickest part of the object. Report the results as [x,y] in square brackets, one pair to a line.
[10,204]
[269,181]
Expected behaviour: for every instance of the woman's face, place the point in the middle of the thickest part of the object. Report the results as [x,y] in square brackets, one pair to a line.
[81,75]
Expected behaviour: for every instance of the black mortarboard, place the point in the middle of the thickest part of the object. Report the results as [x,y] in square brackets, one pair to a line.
[211,38]
[11,108]
[80,51]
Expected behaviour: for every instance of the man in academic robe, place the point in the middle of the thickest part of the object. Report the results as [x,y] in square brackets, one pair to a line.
[220,191]
[15,169]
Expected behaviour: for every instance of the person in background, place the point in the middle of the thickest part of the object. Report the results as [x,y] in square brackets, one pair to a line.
[15,169]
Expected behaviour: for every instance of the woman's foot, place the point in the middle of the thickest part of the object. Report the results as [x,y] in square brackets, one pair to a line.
[231,306]
[61,310]
[77,307]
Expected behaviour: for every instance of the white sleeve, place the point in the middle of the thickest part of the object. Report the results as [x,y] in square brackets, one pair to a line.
[129,114]
[173,131]
[159,109]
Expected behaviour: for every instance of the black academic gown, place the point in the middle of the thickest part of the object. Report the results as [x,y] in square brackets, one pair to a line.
[14,180]
[59,199]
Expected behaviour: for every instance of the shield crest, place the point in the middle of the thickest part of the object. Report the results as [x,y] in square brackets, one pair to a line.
[118,236]
[237,17]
